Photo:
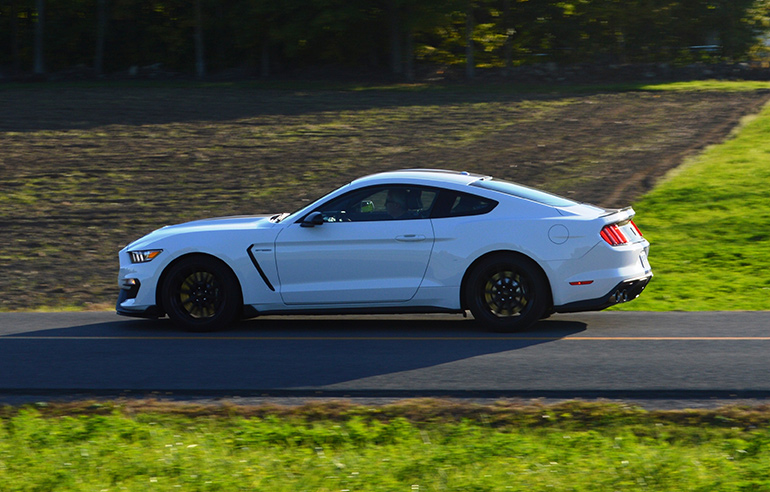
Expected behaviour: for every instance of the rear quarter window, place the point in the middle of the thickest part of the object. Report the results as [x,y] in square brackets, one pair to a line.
[459,204]
[520,191]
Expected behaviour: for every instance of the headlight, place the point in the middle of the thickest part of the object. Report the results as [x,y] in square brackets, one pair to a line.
[144,256]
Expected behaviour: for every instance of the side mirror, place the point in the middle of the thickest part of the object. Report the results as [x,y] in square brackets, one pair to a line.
[312,220]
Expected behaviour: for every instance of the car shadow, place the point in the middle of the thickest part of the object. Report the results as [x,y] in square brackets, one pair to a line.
[258,356]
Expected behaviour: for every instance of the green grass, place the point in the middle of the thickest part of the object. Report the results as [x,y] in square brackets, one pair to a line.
[709,225]
[414,446]
[708,85]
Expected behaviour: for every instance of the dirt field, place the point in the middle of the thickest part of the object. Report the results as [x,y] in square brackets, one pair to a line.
[85,171]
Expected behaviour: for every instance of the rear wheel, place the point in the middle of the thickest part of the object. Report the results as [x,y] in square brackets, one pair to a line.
[200,294]
[506,293]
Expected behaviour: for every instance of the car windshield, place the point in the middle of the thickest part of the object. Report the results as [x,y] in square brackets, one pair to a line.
[517,190]
[304,205]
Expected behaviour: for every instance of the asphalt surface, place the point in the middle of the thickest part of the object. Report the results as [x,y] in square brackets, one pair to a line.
[656,360]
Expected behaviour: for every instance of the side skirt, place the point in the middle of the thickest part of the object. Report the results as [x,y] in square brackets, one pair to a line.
[252,312]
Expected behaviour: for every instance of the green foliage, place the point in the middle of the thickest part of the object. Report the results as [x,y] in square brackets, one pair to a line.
[370,33]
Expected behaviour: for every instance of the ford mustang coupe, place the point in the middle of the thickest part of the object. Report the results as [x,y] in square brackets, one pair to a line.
[412,241]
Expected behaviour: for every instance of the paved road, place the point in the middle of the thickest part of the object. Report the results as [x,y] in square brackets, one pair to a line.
[695,359]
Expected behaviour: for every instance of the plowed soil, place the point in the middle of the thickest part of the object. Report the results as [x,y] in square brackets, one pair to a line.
[84,171]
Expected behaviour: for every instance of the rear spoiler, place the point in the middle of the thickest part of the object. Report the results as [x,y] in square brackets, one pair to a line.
[620,215]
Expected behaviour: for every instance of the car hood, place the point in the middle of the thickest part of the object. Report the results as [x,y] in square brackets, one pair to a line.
[249,222]
[218,223]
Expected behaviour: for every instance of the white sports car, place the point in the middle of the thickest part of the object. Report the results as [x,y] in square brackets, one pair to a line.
[413,241]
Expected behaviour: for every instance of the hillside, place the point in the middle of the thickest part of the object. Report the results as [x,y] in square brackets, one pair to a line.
[83,171]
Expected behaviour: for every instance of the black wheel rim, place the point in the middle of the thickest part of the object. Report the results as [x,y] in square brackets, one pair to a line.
[200,294]
[506,294]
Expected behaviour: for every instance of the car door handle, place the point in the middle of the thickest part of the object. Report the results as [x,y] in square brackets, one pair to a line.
[409,238]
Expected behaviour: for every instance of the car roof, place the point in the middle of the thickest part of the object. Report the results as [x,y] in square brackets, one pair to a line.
[460,179]
[422,176]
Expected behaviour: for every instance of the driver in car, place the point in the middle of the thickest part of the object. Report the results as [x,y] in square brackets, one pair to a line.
[395,204]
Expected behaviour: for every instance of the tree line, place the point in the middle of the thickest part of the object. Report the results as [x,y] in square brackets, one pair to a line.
[271,37]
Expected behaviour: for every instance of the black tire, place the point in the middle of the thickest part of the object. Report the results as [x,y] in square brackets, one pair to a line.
[200,293]
[506,293]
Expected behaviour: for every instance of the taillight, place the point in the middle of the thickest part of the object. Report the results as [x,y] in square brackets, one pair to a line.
[611,233]
[637,229]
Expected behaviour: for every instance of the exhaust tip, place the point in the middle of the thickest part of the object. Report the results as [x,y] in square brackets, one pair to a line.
[620,296]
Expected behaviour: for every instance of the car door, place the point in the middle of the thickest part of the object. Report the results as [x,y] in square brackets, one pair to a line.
[361,253]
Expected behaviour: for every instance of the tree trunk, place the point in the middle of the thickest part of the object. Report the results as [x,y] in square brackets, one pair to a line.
[470,64]
[265,58]
[409,56]
[16,63]
[509,33]
[39,68]
[396,60]
[101,30]
[200,61]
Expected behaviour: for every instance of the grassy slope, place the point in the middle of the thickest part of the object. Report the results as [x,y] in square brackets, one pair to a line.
[709,224]
[148,159]
[83,171]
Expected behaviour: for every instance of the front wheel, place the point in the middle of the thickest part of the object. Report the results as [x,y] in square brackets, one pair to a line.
[506,293]
[201,294]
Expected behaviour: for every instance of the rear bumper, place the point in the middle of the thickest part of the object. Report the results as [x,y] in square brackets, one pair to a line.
[625,291]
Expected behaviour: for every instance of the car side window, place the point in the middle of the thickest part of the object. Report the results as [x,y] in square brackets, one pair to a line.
[458,204]
[394,202]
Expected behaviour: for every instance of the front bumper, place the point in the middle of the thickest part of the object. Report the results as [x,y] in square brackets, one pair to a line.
[625,291]
[122,307]
[136,297]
